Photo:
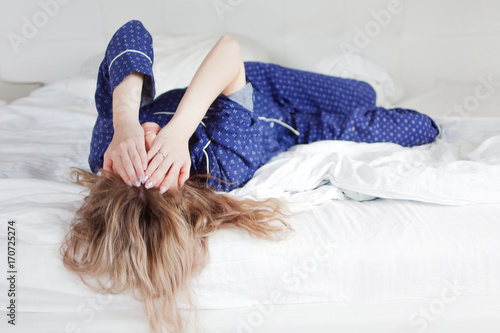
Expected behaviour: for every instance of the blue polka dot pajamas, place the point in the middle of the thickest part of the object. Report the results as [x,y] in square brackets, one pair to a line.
[278,108]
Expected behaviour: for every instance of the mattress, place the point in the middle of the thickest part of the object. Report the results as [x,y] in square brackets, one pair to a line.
[429,241]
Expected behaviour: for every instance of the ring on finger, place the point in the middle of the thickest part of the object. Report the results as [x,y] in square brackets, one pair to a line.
[162,154]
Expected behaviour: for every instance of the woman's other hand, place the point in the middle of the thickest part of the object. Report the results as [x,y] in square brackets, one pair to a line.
[150,132]
[126,153]
[222,71]
[168,157]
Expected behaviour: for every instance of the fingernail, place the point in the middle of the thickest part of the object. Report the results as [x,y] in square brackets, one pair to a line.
[144,166]
[149,184]
[137,183]
[141,178]
[145,178]
[163,189]
[129,182]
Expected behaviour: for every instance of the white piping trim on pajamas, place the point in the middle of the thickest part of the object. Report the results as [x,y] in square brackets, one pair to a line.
[144,54]
[281,123]
[206,156]
[164,112]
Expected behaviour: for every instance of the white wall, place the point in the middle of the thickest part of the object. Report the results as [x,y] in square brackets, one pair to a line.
[422,40]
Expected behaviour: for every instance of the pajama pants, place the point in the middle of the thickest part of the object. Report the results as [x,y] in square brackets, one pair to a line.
[289,107]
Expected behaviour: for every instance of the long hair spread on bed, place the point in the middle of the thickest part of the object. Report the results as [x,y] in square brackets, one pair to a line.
[154,244]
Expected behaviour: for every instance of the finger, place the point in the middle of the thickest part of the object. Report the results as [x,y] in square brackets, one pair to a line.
[171,179]
[160,174]
[129,167]
[108,163]
[118,168]
[149,141]
[153,150]
[154,163]
[137,165]
[184,173]
[157,169]
[141,149]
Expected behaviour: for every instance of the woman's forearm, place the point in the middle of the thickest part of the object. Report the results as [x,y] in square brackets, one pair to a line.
[126,153]
[221,71]
[126,100]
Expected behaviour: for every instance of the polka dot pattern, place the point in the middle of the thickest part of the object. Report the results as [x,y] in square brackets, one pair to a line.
[232,141]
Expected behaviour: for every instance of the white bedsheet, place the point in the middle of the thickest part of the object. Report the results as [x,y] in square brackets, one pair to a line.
[342,250]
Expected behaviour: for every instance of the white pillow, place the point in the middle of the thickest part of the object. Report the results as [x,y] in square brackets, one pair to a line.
[176,58]
[360,68]
[82,85]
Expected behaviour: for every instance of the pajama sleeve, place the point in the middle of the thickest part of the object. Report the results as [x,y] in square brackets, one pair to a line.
[130,50]
[228,145]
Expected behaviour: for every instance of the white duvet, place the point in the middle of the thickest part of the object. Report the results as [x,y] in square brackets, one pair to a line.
[449,171]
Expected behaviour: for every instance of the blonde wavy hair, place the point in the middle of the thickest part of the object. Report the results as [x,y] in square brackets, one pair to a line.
[154,244]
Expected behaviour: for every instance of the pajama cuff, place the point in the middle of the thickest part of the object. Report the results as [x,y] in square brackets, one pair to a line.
[133,61]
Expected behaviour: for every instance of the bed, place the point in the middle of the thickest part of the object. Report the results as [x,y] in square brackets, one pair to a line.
[423,256]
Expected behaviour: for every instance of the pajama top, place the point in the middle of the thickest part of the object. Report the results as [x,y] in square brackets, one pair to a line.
[279,107]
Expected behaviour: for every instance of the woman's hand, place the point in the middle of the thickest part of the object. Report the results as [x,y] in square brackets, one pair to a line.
[151,130]
[222,71]
[126,154]
[168,157]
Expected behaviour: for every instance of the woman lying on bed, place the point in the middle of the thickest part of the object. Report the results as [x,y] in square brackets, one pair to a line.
[145,222]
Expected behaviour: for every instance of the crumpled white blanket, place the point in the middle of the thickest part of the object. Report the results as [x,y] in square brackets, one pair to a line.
[449,171]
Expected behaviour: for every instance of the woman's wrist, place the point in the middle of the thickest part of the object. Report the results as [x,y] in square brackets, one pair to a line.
[126,101]
[124,119]
[180,128]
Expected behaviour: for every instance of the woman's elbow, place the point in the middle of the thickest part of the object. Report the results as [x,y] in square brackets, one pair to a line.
[227,39]
[230,44]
